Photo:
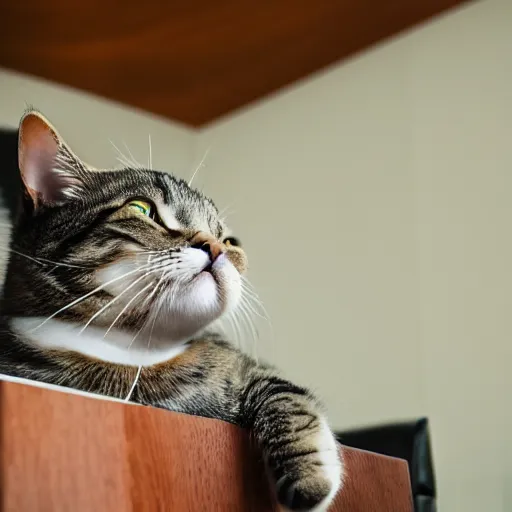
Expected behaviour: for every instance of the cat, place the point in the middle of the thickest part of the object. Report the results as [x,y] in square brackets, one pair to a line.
[114,283]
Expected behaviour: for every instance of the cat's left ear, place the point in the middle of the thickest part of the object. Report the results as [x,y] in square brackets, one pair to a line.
[50,172]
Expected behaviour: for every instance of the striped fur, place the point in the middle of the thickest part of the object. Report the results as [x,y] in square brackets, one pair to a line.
[69,241]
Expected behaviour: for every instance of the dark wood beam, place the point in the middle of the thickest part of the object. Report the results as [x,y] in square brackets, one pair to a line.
[194,60]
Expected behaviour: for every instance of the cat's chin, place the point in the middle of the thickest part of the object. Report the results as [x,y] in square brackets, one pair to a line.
[183,302]
[188,309]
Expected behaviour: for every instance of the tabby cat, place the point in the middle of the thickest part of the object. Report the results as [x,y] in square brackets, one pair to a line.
[114,283]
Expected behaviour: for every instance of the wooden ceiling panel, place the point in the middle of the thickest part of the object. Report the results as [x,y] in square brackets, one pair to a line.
[194,60]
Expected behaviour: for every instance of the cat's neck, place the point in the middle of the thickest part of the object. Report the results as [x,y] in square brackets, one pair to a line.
[117,347]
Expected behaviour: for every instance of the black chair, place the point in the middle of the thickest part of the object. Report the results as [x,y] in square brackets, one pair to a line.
[409,441]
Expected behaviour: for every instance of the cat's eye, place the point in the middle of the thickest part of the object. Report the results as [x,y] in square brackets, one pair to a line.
[143,207]
[232,241]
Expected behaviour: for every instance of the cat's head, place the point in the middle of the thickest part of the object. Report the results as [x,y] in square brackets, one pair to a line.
[131,249]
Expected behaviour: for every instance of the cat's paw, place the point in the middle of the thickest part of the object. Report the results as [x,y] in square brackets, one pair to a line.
[313,477]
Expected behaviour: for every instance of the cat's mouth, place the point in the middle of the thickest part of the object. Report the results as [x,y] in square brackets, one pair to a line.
[182,297]
[225,280]
[208,270]
[213,268]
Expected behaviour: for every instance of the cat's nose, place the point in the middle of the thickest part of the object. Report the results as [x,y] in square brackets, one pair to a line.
[209,244]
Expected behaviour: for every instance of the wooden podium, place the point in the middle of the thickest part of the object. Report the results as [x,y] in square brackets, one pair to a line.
[63,452]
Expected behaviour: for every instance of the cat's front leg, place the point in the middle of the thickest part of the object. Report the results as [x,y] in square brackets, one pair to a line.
[298,445]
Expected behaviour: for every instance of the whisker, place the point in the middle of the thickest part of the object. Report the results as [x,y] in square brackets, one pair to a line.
[147,299]
[198,167]
[139,369]
[83,297]
[150,157]
[115,299]
[135,162]
[233,321]
[137,376]
[251,293]
[47,274]
[245,314]
[126,307]
[27,256]
[251,326]
[121,156]
[164,252]
[226,211]
[242,327]
[253,302]
[247,301]
[123,162]
[42,261]
[133,339]
[247,284]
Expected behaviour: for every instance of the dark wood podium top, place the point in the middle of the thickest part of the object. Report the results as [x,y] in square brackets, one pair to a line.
[62,452]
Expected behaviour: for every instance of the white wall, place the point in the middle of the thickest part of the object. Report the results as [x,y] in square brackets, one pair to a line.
[375,203]
[89,123]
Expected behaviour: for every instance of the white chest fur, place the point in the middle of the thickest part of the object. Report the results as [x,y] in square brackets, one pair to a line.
[117,347]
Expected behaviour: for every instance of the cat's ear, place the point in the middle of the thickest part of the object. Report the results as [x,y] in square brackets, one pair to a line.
[49,169]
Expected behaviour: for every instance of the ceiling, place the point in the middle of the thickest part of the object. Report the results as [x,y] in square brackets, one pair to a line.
[194,60]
